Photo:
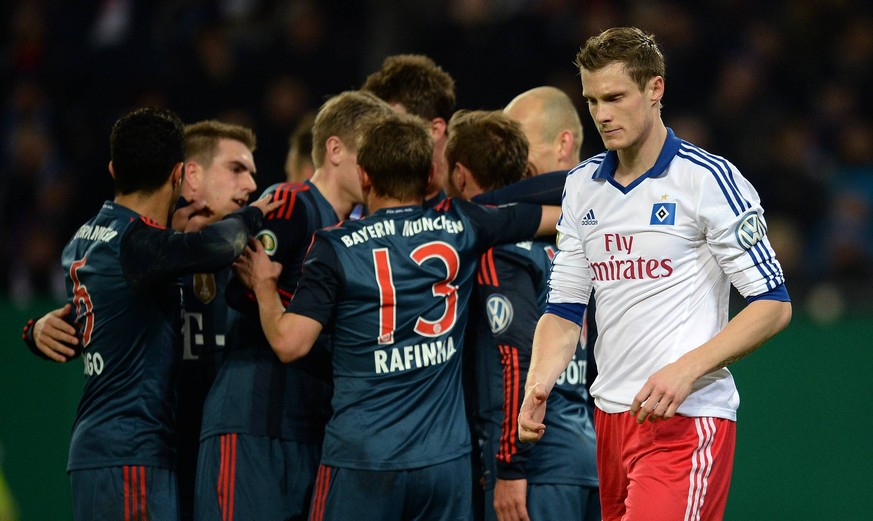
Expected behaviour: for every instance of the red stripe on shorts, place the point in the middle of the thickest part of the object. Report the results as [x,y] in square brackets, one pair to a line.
[322,484]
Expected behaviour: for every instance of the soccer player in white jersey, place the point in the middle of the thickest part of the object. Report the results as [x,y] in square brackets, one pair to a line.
[659,229]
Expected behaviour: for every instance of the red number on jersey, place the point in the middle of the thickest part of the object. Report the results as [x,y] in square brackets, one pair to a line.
[82,301]
[388,308]
[387,292]
[446,253]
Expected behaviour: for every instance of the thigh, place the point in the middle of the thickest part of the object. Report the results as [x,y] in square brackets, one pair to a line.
[131,493]
[683,470]
[254,477]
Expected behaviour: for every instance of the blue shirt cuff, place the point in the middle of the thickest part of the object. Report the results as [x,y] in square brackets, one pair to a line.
[779,293]
[573,312]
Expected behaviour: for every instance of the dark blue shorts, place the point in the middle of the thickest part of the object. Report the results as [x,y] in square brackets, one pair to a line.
[129,493]
[242,477]
[439,492]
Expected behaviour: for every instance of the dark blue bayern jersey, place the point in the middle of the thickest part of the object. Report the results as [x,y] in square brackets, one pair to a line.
[254,393]
[122,276]
[204,335]
[512,284]
[394,287]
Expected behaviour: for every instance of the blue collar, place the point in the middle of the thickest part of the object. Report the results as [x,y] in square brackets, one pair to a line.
[606,170]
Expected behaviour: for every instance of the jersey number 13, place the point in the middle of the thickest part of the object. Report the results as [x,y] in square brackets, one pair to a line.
[436,250]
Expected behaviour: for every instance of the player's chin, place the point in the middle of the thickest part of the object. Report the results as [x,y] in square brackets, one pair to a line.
[612,144]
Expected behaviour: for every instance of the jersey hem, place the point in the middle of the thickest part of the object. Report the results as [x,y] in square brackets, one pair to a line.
[393,465]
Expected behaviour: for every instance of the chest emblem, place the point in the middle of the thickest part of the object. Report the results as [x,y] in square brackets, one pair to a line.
[204,287]
[663,214]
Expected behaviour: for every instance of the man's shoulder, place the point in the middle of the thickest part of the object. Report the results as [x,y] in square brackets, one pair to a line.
[694,160]
[302,206]
[588,165]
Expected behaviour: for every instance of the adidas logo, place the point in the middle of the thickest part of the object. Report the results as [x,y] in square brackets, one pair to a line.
[589,219]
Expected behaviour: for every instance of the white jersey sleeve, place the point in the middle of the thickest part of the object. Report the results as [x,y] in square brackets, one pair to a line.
[736,232]
[570,281]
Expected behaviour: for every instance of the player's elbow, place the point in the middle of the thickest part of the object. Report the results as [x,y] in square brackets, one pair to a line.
[783,316]
[293,337]
[777,316]
[287,349]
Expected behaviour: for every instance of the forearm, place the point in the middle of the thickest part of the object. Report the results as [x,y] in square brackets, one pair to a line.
[28,335]
[270,311]
[549,221]
[52,336]
[554,343]
[542,189]
[747,331]
[151,256]
[290,335]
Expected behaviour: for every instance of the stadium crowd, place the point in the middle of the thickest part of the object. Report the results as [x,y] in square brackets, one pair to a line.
[775,86]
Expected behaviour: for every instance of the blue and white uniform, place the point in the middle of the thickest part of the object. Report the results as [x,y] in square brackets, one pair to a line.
[669,245]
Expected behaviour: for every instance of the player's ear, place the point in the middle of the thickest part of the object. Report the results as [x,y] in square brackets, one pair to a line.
[438,128]
[111,170]
[567,142]
[333,150]
[176,174]
[365,179]
[656,84]
[192,173]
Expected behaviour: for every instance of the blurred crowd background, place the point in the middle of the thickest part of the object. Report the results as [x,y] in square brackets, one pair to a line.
[782,89]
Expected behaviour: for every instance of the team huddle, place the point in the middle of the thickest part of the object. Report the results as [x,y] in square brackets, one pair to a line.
[399,336]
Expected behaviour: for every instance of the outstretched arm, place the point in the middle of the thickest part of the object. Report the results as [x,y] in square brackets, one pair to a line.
[544,189]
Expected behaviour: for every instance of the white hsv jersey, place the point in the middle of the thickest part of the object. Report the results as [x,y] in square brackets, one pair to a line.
[661,254]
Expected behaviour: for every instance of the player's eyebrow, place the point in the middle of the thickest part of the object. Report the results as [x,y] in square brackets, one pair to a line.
[239,165]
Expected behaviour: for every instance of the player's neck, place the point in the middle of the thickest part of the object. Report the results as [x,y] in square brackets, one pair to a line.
[376,202]
[155,206]
[638,158]
[328,183]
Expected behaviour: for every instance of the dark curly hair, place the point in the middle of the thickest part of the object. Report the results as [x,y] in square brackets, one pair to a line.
[145,145]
